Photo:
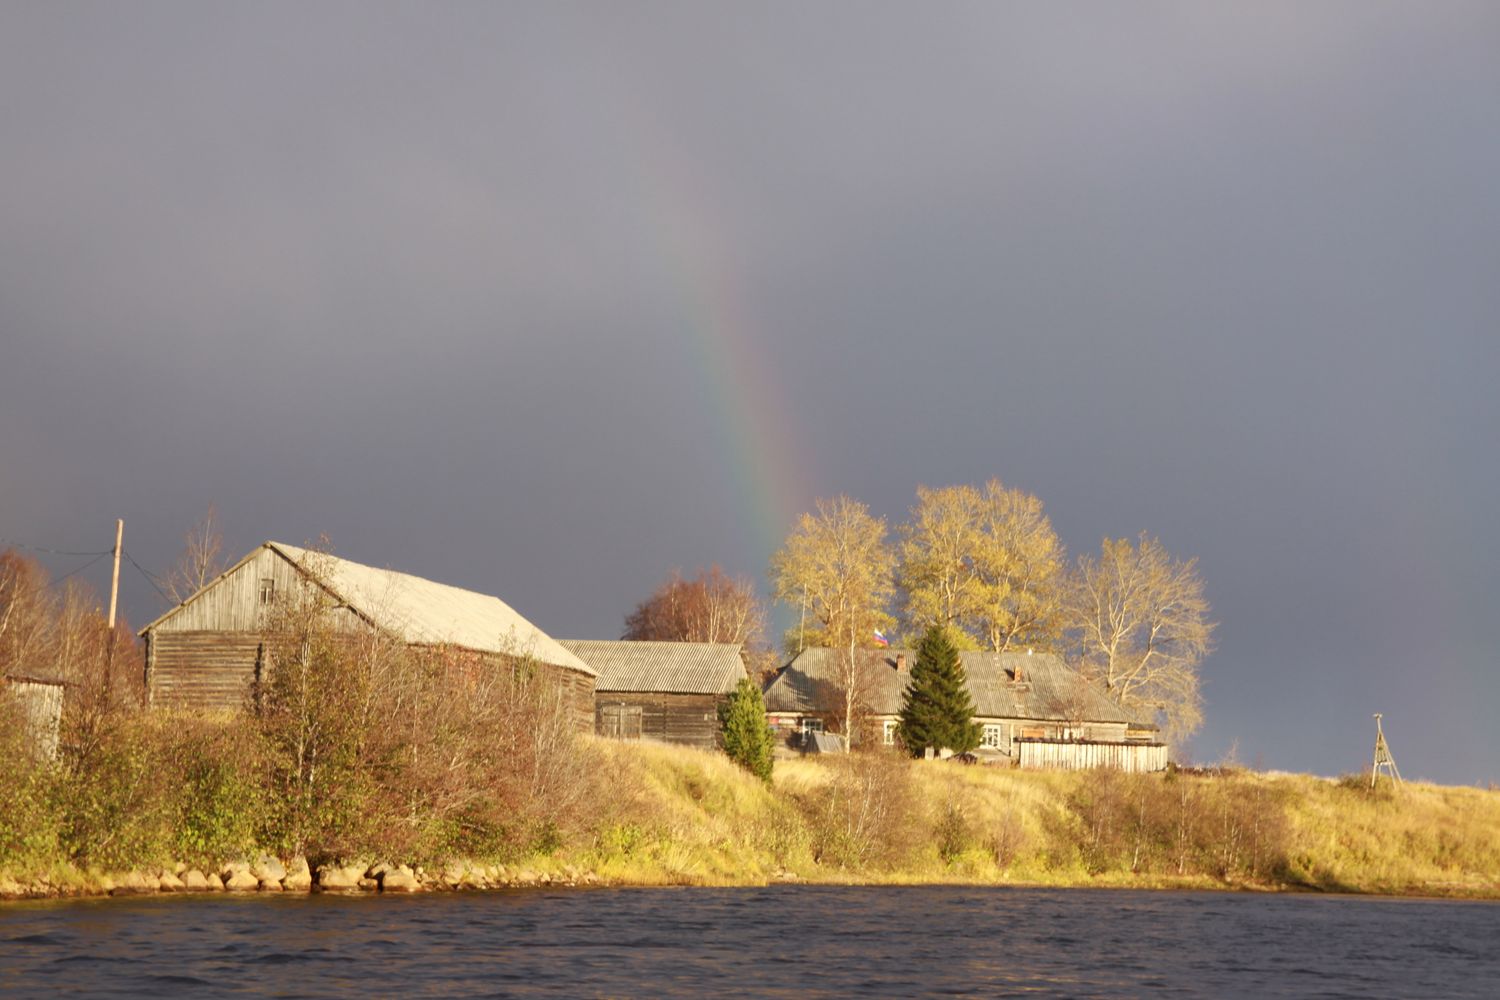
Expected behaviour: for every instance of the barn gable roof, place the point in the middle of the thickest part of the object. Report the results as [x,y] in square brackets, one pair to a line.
[1049,689]
[661,667]
[420,611]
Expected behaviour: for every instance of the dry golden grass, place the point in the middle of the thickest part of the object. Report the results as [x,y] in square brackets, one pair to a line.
[698,819]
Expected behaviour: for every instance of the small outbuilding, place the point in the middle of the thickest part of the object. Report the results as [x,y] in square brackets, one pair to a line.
[666,691]
[206,652]
[1034,710]
[39,703]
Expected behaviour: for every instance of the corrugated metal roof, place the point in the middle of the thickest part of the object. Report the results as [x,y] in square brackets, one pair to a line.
[424,612]
[1049,688]
[665,667]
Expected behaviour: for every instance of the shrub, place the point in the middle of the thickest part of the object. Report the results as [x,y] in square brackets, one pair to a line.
[862,817]
[218,788]
[114,803]
[28,819]
[747,738]
[952,832]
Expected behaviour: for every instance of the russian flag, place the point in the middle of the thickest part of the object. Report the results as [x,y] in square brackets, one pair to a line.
[880,639]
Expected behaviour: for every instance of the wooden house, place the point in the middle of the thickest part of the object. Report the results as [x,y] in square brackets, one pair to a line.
[1033,710]
[206,652]
[667,691]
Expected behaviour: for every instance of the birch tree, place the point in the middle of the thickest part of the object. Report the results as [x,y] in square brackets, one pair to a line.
[1140,623]
[27,612]
[937,572]
[202,558]
[1020,565]
[986,565]
[837,567]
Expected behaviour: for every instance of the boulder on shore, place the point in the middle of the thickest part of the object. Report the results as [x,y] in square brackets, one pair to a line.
[169,882]
[268,869]
[241,881]
[401,879]
[193,881]
[333,878]
[132,884]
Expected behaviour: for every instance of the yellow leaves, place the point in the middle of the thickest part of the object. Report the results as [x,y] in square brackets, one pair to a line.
[985,562]
[837,568]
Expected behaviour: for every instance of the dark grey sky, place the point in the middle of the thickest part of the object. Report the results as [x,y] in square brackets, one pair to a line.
[544,300]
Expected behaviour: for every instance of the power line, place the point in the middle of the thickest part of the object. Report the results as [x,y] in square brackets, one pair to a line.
[80,569]
[54,552]
[150,577]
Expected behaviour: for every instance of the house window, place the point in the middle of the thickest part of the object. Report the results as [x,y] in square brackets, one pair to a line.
[811,725]
[888,732]
[993,736]
[267,591]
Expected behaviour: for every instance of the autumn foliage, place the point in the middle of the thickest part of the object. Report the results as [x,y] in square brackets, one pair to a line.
[710,607]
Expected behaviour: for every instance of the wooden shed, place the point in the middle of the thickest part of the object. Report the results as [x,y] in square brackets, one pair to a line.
[39,701]
[206,652]
[667,691]
[1033,709]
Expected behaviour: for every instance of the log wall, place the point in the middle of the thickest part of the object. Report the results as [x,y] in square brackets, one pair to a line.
[691,719]
[209,671]
[214,671]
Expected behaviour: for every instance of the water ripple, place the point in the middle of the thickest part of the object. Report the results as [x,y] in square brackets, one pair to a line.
[782,941]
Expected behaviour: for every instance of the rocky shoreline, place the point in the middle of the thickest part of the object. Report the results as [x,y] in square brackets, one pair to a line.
[270,874]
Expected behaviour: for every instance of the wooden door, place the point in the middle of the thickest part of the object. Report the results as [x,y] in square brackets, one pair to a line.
[621,722]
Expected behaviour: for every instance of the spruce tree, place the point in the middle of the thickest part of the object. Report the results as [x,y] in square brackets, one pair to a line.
[747,738]
[937,710]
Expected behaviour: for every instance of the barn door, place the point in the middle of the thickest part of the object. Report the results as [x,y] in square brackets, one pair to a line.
[622,722]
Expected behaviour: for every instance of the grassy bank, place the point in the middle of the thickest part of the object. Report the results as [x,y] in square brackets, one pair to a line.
[696,819]
[659,815]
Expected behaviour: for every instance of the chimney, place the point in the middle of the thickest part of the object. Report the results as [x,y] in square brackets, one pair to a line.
[1020,674]
[900,663]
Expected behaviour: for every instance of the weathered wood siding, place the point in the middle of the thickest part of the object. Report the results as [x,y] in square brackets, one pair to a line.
[1059,756]
[40,704]
[692,719]
[578,692]
[233,604]
[201,670]
[205,654]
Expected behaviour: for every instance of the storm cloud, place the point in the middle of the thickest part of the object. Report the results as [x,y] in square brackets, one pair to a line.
[546,300]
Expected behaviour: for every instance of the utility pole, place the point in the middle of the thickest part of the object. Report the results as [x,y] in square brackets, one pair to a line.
[1383,757]
[114,583]
[114,599]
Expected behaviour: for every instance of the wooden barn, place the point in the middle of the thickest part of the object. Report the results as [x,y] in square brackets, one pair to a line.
[1034,710]
[206,652]
[667,691]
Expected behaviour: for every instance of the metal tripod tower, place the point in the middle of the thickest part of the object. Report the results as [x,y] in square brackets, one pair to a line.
[1383,758]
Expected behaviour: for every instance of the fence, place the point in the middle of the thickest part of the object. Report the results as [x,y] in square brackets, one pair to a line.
[1057,755]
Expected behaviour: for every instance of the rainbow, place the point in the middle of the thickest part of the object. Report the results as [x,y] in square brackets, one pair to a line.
[764,463]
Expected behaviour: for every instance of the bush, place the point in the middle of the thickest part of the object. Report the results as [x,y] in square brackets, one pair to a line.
[862,817]
[747,738]
[115,803]
[219,790]
[28,819]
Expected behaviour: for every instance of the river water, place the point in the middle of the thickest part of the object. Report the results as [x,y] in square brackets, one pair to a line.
[782,941]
